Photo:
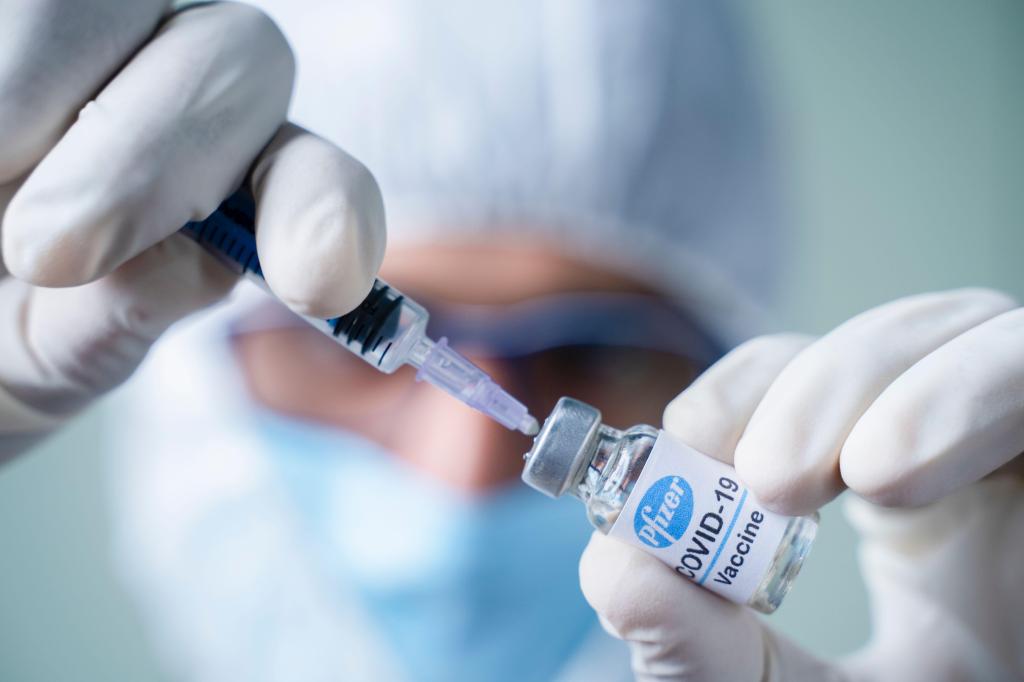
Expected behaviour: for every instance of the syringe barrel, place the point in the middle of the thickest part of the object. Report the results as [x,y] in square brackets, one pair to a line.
[382,330]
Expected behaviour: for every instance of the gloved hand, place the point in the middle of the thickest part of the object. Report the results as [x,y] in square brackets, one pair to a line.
[904,404]
[120,122]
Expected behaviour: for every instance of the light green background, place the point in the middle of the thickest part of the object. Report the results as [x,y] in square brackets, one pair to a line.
[902,143]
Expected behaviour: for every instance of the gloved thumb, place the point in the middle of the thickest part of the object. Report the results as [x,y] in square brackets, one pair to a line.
[320,228]
[679,631]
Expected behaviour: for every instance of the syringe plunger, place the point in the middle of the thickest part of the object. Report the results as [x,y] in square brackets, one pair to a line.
[449,371]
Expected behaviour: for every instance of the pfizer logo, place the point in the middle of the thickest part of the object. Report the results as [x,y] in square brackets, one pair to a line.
[664,512]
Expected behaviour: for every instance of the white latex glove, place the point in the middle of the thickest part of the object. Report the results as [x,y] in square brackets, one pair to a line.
[903,404]
[120,122]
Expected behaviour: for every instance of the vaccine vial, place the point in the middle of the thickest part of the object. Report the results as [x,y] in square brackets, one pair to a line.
[647,488]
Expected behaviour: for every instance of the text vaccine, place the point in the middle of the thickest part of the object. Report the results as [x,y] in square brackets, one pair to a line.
[649,489]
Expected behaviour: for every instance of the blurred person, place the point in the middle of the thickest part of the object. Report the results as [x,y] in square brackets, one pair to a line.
[372,527]
[582,195]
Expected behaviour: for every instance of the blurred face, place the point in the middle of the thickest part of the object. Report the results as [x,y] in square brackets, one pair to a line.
[301,373]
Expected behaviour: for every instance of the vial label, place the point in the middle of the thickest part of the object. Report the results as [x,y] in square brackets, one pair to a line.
[691,511]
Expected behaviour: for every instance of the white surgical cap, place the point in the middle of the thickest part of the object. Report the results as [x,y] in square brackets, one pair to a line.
[627,132]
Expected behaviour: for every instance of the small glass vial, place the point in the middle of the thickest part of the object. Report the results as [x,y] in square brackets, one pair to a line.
[651,490]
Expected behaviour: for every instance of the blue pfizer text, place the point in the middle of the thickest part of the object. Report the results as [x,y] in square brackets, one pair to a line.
[664,512]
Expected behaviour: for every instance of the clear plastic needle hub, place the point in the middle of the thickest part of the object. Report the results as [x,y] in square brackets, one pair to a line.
[387,330]
[451,372]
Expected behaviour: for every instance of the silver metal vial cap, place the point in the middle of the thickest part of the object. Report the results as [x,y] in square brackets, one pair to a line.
[562,448]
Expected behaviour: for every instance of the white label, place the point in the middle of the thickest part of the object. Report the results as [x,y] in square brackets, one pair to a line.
[691,511]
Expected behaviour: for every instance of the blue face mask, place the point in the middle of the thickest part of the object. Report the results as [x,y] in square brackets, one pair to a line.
[483,589]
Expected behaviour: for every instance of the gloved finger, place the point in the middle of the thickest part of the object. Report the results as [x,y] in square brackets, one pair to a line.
[60,348]
[163,143]
[941,578]
[678,631]
[53,57]
[320,224]
[712,412]
[789,454]
[954,417]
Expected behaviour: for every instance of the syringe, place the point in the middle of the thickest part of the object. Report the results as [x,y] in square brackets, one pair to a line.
[387,329]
